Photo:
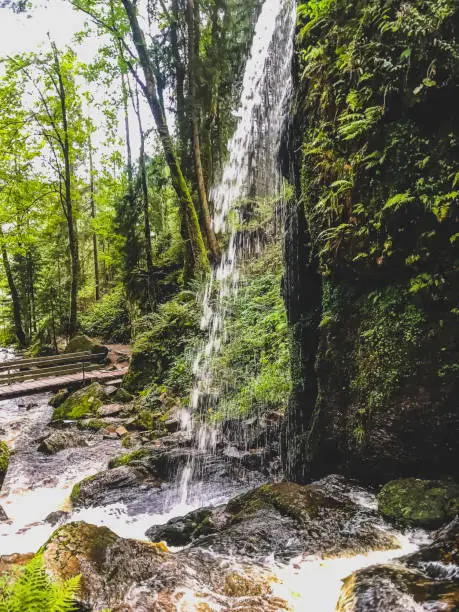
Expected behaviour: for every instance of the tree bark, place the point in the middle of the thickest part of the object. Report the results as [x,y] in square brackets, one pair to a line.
[93,216]
[18,328]
[146,213]
[67,196]
[199,264]
[193,50]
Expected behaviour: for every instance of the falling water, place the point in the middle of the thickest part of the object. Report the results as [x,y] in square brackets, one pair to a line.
[252,171]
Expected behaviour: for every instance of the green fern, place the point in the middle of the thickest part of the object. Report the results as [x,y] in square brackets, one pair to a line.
[34,591]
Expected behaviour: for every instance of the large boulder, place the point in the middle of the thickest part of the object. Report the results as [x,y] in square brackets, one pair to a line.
[84,402]
[425,580]
[283,519]
[80,343]
[60,440]
[4,460]
[125,574]
[423,503]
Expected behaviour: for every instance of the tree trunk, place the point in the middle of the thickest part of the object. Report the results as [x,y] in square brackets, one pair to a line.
[199,264]
[67,198]
[193,50]
[179,83]
[93,216]
[146,212]
[18,328]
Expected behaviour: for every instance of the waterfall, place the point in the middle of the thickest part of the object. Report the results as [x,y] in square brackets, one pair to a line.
[252,170]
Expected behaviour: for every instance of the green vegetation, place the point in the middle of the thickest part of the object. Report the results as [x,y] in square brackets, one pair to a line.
[378,188]
[84,402]
[253,368]
[424,503]
[4,460]
[31,589]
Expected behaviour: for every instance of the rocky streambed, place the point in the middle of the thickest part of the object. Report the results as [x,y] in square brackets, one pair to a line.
[99,493]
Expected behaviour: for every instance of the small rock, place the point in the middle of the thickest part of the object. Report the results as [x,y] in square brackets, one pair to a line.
[60,440]
[109,410]
[110,390]
[121,431]
[31,405]
[3,515]
[172,424]
[56,518]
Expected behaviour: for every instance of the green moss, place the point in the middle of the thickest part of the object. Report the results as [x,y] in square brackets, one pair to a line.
[127,458]
[84,402]
[76,490]
[93,424]
[4,460]
[425,503]
[289,499]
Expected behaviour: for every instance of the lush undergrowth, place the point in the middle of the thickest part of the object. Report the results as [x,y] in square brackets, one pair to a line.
[29,588]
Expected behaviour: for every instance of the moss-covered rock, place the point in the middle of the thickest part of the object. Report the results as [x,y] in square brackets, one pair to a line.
[424,503]
[283,519]
[121,574]
[111,486]
[84,402]
[80,342]
[59,398]
[60,440]
[4,460]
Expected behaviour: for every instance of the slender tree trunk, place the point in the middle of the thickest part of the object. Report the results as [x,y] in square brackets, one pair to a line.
[67,197]
[199,264]
[19,330]
[93,216]
[193,50]
[146,212]
[179,83]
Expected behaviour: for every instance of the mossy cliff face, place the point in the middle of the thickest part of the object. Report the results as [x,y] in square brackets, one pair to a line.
[371,258]
[163,339]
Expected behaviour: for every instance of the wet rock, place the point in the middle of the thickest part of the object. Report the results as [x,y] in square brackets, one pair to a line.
[4,460]
[172,424]
[80,342]
[111,486]
[81,403]
[181,531]
[31,405]
[424,503]
[283,519]
[425,580]
[125,574]
[444,549]
[60,440]
[8,562]
[3,515]
[56,518]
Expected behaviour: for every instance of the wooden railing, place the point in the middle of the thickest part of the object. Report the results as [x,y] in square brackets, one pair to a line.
[20,370]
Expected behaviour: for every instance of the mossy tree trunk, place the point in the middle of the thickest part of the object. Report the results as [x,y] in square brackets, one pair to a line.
[193,51]
[199,264]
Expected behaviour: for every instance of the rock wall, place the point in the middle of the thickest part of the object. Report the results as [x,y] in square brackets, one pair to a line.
[371,283]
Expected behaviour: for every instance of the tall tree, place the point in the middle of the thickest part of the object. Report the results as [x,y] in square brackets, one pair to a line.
[199,264]
[193,55]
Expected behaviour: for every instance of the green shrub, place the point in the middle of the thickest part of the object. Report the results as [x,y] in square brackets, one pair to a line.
[109,317]
[31,590]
